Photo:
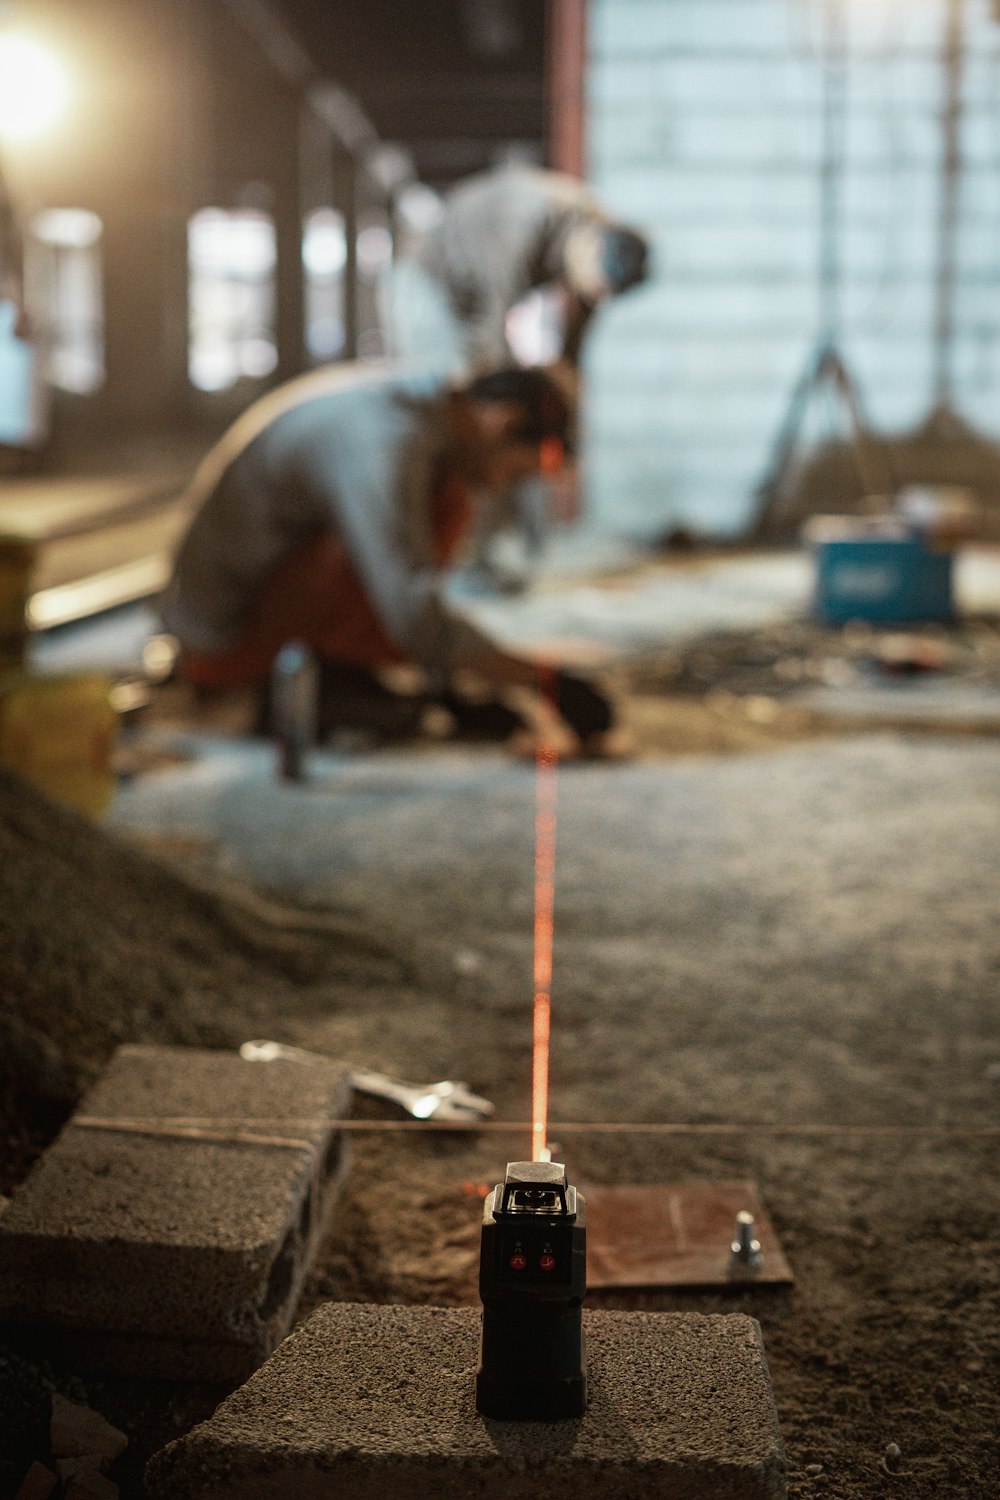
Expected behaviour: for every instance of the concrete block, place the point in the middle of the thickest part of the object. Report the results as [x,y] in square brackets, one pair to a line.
[38,1484]
[364,1401]
[72,1468]
[90,1484]
[169,1228]
[79,1432]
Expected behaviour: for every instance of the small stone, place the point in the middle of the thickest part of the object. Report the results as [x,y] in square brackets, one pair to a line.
[813,1469]
[760,710]
[467,961]
[37,1484]
[891,1457]
[90,1484]
[70,1468]
[77,1431]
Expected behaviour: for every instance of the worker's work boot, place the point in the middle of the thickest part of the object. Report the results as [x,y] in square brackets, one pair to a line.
[480,719]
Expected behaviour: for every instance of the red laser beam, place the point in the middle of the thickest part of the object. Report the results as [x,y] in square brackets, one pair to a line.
[546,766]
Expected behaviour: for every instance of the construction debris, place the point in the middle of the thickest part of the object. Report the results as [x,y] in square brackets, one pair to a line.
[90,1484]
[38,1483]
[77,1432]
[776,661]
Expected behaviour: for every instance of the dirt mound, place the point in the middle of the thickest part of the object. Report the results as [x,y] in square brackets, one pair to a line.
[101,944]
[943,451]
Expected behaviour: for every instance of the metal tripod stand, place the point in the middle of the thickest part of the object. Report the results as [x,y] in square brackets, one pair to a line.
[825,367]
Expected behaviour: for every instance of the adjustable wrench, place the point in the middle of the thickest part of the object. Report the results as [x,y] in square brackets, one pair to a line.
[447,1100]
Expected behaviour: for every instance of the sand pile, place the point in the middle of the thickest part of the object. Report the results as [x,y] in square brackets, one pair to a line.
[944,451]
[100,944]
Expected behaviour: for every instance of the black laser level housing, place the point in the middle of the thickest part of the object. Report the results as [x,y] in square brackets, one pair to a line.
[532,1280]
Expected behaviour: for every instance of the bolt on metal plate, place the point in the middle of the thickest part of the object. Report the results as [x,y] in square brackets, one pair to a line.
[679,1234]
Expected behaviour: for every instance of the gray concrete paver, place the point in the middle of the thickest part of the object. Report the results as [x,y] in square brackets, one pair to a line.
[145,1248]
[361,1399]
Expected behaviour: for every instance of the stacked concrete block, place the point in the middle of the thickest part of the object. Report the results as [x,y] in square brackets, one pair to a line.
[364,1401]
[169,1228]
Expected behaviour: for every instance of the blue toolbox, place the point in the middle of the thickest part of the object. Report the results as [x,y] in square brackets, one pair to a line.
[886,580]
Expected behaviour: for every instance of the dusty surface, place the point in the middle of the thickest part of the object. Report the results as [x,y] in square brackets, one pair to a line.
[799,935]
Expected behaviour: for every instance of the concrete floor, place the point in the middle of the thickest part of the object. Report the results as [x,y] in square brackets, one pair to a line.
[741,899]
[596,600]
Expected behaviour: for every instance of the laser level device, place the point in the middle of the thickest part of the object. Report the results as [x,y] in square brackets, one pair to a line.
[532,1280]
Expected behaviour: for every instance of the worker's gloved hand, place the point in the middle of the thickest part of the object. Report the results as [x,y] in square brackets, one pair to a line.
[484,719]
[586,711]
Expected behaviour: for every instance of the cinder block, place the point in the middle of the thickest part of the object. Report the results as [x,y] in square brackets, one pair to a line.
[363,1401]
[169,1228]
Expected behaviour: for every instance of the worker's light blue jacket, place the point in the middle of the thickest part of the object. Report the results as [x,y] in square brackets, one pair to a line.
[348,449]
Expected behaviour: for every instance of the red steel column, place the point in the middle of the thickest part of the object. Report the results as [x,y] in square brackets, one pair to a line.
[566,69]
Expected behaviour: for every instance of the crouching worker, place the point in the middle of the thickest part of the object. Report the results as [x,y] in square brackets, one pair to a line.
[328,515]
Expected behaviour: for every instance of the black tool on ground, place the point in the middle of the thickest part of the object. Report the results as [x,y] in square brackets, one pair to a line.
[532,1280]
[293,702]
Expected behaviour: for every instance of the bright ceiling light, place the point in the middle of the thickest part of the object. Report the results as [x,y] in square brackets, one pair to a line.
[34,87]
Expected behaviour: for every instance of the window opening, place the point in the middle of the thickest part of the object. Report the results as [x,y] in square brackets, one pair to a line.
[324,259]
[374,260]
[232,257]
[65,297]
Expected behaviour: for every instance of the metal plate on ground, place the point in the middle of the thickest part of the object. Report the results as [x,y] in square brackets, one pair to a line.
[677,1234]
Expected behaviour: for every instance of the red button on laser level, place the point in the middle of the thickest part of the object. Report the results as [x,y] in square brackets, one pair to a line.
[547,1263]
[518,1262]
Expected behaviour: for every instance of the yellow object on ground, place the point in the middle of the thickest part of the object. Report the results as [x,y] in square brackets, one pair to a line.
[59,733]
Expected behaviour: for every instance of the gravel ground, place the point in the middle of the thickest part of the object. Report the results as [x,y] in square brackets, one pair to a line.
[803,935]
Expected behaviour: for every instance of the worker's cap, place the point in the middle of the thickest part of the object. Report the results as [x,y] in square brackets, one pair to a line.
[624,257]
[547,408]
